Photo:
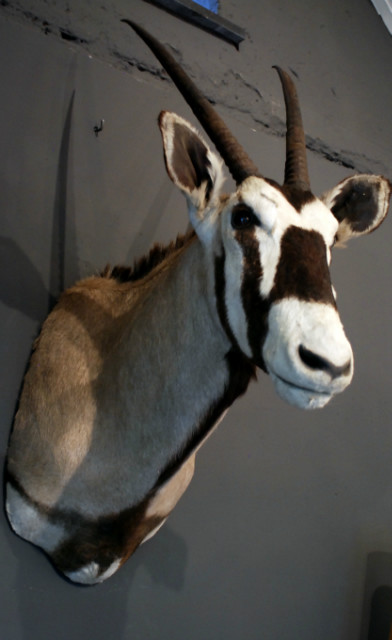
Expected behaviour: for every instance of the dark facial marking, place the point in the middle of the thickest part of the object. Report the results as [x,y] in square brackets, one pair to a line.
[297,197]
[256,308]
[302,270]
[357,204]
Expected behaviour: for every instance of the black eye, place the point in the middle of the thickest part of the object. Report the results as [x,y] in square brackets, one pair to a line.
[242,217]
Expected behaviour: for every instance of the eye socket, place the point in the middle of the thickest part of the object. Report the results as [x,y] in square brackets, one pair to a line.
[242,217]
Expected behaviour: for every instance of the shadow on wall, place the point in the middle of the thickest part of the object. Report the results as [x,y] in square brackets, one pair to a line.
[21,285]
[49,607]
[377,607]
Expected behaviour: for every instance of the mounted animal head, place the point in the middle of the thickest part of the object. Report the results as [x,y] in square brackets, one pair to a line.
[128,378]
[269,244]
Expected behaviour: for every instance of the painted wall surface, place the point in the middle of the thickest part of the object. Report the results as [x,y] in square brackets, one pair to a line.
[286,529]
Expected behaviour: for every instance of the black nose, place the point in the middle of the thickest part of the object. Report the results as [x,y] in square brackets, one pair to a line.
[318,363]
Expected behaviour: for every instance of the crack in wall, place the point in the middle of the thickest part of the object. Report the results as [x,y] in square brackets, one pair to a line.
[233,92]
[127,62]
[273,125]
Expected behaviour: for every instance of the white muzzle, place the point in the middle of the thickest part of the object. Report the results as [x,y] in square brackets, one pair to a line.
[306,352]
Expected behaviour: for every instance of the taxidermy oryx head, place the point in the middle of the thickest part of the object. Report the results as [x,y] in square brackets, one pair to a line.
[134,368]
[273,243]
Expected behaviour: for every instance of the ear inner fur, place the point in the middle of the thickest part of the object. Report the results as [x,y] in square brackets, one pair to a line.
[359,203]
[187,147]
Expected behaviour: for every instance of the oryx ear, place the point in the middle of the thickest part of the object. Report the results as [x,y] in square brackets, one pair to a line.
[191,165]
[359,203]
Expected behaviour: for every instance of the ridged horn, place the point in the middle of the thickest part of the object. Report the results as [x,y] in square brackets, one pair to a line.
[234,156]
[296,167]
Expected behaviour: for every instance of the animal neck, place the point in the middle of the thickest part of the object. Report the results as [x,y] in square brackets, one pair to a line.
[166,364]
[178,371]
[175,317]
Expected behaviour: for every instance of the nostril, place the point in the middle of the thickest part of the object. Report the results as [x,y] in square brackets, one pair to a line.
[318,363]
[312,360]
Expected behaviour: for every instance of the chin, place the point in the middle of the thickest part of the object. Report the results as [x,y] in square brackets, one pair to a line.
[299,397]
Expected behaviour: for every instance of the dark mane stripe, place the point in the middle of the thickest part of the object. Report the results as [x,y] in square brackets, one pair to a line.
[146,264]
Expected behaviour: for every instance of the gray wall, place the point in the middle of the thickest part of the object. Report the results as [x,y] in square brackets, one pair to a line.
[286,529]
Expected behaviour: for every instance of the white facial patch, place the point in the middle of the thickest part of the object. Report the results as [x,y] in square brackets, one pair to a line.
[316,328]
[266,209]
[235,311]
[274,210]
[315,216]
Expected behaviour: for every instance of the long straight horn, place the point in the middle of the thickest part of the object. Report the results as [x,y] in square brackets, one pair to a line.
[296,167]
[234,156]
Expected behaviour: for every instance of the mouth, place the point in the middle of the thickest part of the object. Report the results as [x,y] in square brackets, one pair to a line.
[300,396]
[299,387]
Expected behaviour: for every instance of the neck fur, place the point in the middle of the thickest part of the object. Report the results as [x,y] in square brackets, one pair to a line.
[168,372]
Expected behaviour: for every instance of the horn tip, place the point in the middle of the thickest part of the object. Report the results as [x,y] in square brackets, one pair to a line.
[132,24]
[281,72]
